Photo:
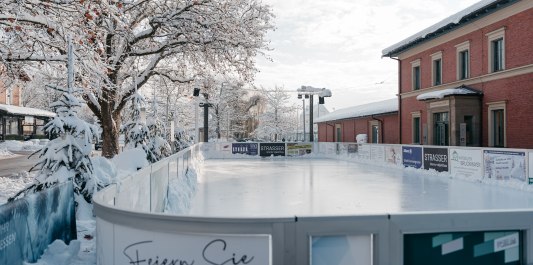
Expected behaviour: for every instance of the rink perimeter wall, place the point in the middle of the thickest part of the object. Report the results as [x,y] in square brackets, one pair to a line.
[133,229]
[28,225]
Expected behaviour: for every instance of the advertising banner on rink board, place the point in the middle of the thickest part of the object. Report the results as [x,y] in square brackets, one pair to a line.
[298,149]
[272,149]
[377,153]
[412,156]
[466,163]
[245,148]
[223,147]
[436,158]
[393,154]
[133,246]
[364,152]
[504,165]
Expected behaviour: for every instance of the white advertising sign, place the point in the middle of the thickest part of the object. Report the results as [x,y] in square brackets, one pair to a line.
[466,163]
[133,246]
[503,165]
[393,154]
[363,151]
[341,250]
[378,153]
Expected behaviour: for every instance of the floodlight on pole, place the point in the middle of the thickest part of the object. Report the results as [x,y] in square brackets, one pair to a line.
[309,92]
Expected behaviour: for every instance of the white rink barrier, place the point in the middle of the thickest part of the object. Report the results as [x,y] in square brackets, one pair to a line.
[131,229]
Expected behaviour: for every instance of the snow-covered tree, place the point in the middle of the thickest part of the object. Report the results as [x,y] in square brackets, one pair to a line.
[135,130]
[276,122]
[67,156]
[176,40]
[157,147]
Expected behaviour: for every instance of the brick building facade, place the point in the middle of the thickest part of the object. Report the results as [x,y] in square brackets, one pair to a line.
[468,80]
[377,120]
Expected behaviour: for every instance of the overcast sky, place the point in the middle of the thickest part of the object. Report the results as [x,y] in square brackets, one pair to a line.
[337,44]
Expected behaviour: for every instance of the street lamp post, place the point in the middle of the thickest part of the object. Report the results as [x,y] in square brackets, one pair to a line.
[309,92]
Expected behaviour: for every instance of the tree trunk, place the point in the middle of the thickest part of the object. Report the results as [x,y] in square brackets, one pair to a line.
[110,133]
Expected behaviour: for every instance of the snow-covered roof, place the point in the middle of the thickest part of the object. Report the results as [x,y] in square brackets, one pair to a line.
[374,108]
[16,110]
[475,11]
[439,94]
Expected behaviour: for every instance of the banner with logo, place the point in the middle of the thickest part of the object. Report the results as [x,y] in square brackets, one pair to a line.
[436,158]
[472,247]
[393,154]
[504,165]
[299,149]
[377,153]
[466,163]
[272,149]
[412,156]
[245,148]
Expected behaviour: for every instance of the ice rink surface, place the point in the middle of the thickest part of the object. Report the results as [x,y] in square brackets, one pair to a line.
[322,187]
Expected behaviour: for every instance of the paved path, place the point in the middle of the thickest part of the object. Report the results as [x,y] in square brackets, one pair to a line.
[14,165]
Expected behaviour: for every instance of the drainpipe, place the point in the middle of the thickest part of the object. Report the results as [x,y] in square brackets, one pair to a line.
[399,99]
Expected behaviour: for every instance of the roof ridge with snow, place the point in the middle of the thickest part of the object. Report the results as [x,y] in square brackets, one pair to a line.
[374,108]
[448,24]
[16,110]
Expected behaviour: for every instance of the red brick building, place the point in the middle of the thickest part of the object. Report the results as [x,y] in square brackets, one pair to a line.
[468,80]
[378,120]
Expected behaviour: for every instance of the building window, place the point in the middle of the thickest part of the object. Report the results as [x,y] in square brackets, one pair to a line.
[416,130]
[375,132]
[497,124]
[440,132]
[9,96]
[415,66]
[463,60]
[436,74]
[469,122]
[496,56]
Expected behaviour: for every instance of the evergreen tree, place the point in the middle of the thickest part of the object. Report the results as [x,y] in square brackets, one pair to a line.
[157,147]
[135,130]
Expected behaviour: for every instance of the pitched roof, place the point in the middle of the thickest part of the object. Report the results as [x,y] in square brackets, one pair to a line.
[374,108]
[24,111]
[474,12]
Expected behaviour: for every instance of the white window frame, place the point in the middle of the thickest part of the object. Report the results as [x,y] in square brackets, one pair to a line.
[434,57]
[492,36]
[500,105]
[414,64]
[371,124]
[462,47]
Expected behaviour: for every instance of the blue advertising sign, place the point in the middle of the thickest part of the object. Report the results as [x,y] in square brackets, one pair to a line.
[272,149]
[30,224]
[244,148]
[412,156]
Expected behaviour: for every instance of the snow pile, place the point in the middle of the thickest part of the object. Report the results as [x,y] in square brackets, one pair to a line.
[129,161]
[5,153]
[18,146]
[439,94]
[180,193]
[9,186]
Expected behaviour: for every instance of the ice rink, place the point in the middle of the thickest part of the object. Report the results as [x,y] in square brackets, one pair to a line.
[322,187]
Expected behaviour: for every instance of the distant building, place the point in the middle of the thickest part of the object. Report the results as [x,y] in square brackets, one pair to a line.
[468,80]
[18,122]
[377,120]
